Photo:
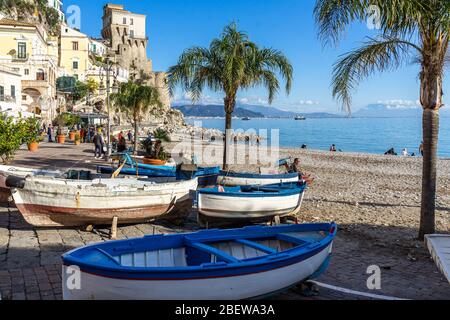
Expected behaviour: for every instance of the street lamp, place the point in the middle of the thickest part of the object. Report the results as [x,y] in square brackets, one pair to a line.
[107,70]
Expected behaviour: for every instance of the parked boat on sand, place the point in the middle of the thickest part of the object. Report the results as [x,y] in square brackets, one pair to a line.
[250,202]
[49,202]
[228,178]
[209,265]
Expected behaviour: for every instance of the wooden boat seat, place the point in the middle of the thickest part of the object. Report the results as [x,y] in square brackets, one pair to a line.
[214,252]
[154,259]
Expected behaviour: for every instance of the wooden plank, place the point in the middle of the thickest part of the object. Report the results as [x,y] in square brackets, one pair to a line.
[213,251]
[257,246]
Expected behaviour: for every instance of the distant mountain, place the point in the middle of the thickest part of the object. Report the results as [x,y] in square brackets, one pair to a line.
[213,111]
[381,110]
[271,112]
[251,111]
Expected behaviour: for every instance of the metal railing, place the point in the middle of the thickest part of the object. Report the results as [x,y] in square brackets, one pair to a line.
[20,57]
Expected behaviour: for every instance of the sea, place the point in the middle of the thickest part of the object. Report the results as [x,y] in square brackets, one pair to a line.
[366,135]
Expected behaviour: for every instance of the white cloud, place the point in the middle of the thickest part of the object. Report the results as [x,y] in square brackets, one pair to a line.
[400,104]
[253,101]
[186,98]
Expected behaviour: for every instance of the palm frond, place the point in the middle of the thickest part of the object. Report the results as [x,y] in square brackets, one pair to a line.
[375,55]
[398,18]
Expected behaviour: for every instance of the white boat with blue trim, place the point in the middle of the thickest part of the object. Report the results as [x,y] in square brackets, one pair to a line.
[209,265]
[228,178]
[251,202]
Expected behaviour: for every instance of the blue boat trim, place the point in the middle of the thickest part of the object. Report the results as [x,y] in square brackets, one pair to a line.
[274,190]
[92,263]
[258,176]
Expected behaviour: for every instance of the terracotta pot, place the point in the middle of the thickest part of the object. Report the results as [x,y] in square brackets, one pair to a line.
[61,138]
[33,146]
[154,162]
[72,135]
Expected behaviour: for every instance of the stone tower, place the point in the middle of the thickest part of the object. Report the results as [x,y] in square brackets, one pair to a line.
[126,33]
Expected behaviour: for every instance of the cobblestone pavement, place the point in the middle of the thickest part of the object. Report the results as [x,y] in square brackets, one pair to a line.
[30,263]
[30,258]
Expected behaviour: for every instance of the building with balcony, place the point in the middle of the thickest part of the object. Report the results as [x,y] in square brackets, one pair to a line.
[58,6]
[29,51]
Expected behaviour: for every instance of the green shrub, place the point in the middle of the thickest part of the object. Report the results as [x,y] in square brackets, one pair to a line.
[13,133]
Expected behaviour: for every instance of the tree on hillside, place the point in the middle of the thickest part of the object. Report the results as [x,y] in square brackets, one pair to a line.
[231,63]
[416,30]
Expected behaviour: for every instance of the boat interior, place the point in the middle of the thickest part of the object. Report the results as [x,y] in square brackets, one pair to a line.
[278,188]
[179,251]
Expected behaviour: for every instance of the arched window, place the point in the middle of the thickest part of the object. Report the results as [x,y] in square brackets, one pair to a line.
[40,75]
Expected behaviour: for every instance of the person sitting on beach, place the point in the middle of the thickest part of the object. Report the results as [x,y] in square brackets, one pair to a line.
[304,146]
[405,152]
[391,152]
[333,148]
[295,167]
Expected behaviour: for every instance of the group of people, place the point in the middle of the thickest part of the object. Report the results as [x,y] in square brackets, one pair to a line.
[405,152]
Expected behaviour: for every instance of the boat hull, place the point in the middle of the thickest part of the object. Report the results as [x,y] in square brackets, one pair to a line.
[246,286]
[57,202]
[229,207]
[254,180]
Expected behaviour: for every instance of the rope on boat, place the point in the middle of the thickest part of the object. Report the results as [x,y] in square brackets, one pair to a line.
[353,292]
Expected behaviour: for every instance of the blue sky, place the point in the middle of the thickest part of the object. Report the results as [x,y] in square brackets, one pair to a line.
[286,25]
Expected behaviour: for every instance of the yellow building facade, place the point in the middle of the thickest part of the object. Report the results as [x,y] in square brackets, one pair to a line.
[74,53]
[27,49]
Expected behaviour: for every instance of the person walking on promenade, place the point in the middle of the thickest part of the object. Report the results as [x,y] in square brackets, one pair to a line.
[130,136]
[98,145]
[82,134]
[49,133]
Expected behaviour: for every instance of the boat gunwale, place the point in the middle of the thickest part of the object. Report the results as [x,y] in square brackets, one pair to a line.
[297,254]
[229,174]
[257,191]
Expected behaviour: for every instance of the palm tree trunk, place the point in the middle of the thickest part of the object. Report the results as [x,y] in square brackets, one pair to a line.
[431,100]
[430,142]
[229,108]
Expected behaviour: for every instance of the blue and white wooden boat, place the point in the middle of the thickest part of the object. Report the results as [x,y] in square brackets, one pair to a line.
[227,178]
[207,176]
[251,202]
[209,265]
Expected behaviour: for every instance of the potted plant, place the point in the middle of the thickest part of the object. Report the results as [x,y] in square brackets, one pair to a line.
[155,154]
[72,135]
[32,135]
[77,139]
[61,138]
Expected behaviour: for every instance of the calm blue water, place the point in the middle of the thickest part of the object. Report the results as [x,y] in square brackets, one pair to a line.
[369,135]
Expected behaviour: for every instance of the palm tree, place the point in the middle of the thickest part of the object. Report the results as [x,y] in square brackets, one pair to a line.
[231,63]
[135,100]
[409,28]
